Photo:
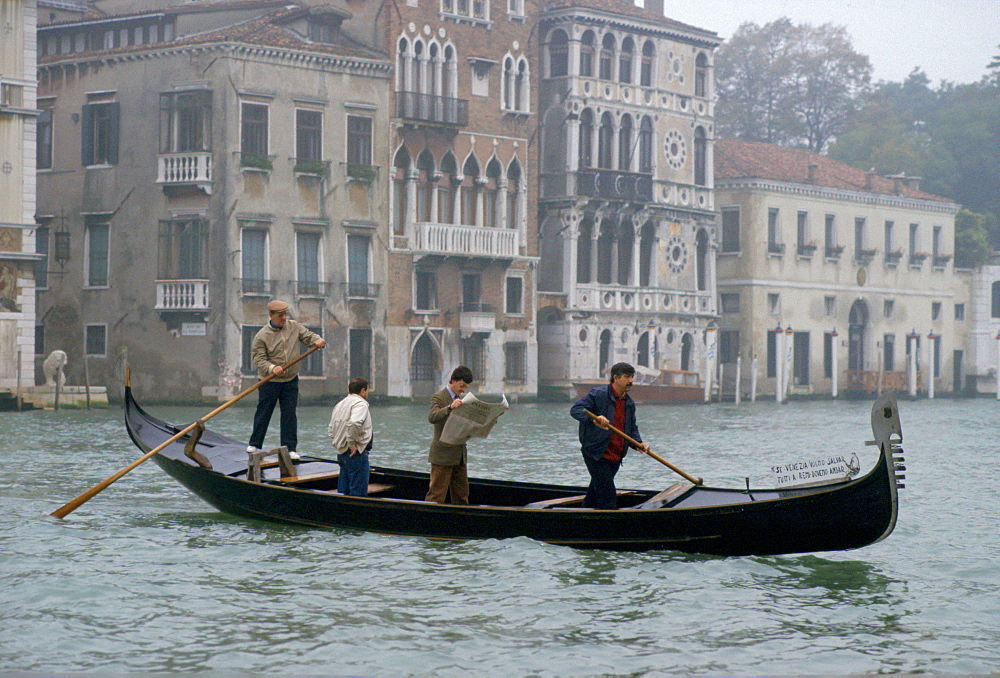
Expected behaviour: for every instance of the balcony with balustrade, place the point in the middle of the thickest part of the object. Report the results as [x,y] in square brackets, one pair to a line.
[185,169]
[181,295]
[468,241]
[612,184]
[432,109]
[476,317]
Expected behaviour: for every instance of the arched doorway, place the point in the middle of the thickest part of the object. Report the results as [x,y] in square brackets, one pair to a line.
[857,336]
[604,359]
[643,350]
[423,366]
[686,345]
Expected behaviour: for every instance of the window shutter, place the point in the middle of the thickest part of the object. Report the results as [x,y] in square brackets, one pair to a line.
[113,118]
[87,145]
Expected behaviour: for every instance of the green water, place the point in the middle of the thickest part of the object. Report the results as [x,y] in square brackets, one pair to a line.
[146,577]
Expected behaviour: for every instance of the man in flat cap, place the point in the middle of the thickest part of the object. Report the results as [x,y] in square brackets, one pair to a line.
[274,346]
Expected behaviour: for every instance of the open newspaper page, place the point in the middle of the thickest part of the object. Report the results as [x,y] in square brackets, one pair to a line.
[474,419]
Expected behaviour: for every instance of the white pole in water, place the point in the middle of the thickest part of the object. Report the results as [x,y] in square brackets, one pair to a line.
[911,376]
[739,370]
[709,358]
[779,359]
[753,379]
[833,362]
[789,363]
[998,364]
[931,345]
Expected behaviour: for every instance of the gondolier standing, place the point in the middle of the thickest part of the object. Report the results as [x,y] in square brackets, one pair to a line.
[603,451]
[275,345]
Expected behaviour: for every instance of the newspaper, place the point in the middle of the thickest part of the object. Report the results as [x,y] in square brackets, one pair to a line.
[474,419]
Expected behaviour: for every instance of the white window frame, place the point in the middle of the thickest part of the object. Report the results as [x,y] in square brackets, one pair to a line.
[86,340]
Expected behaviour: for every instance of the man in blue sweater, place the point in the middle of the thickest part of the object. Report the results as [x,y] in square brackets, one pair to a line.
[602,450]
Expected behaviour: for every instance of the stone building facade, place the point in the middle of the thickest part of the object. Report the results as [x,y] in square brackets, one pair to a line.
[202,160]
[462,246]
[855,268]
[18,258]
[627,223]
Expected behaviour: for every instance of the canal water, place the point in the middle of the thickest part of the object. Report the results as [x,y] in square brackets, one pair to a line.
[146,577]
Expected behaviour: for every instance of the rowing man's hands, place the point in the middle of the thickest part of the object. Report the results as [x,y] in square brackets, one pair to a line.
[644,447]
[602,422]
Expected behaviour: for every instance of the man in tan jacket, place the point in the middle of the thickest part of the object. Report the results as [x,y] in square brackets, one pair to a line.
[274,346]
[449,473]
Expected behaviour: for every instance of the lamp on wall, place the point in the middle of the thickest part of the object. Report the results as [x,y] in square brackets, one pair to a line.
[62,247]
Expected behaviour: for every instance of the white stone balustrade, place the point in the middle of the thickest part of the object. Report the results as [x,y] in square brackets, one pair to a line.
[185,168]
[182,295]
[465,240]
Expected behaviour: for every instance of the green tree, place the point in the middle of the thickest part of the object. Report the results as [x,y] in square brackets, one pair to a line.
[972,247]
[789,85]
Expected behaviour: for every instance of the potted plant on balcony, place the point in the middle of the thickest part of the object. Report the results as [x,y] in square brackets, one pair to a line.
[834,251]
[256,161]
[317,167]
[359,172]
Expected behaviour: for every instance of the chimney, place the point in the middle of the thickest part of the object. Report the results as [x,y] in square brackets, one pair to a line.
[870,179]
[811,172]
[654,6]
[912,182]
[897,182]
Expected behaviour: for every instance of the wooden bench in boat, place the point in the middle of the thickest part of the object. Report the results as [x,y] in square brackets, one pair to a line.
[668,495]
[373,488]
[567,501]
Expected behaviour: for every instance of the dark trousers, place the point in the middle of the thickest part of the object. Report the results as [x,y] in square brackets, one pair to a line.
[354,474]
[601,494]
[284,394]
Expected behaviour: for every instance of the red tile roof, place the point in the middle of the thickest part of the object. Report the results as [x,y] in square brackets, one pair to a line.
[623,7]
[755,160]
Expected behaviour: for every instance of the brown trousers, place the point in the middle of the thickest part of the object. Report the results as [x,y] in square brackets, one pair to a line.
[449,478]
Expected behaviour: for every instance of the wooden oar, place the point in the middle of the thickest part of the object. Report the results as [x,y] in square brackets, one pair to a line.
[636,443]
[101,486]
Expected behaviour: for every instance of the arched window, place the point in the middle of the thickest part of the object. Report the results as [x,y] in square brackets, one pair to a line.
[646,68]
[625,61]
[607,56]
[700,157]
[492,192]
[586,139]
[646,145]
[426,184]
[626,238]
[515,187]
[605,139]
[604,352]
[558,54]
[447,189]
[507,85]
[587,46]
[642,349]
[605,241]
[470,190]
[625,144]
[403,65]
[583,247]
[401,166]
[449,84]
[521,87]
[423,361]
[701,260]
[647,243]
[701,75]
[434,84]
[686,347]
[419,67]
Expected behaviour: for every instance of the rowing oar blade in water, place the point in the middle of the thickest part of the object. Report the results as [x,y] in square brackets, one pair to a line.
[101,486]
[635,443]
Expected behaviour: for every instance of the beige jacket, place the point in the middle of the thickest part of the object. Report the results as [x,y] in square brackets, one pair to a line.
[279,347]
[350,424]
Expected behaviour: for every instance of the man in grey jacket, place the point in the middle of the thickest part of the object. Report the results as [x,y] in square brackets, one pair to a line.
[274,346]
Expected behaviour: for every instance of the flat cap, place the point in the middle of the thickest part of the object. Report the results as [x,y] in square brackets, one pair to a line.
[276,306]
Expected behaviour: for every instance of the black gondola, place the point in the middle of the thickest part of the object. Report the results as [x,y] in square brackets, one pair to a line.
[695,519]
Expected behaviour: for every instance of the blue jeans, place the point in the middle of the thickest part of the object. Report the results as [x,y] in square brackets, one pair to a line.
[602,493]
[354,473]
[285,394]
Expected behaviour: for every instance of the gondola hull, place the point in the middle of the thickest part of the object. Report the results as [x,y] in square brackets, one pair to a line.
[839,516]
